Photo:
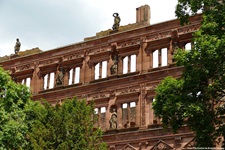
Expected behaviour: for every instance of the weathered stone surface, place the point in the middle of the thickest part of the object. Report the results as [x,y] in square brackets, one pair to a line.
[130,93]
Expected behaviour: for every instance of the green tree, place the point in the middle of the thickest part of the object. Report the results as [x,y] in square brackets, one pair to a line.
[69,126]
[14,98]
[197,97]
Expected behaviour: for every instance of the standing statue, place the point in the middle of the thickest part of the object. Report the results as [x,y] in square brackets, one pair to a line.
[60,77]
[113,120]
[113,68]
[116,24]
[17,46]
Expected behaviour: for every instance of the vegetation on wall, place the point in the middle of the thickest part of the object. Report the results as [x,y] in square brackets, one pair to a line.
[197,97]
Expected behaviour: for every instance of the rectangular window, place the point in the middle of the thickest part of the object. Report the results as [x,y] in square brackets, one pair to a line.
[164,56]
[155,59]
[101,70]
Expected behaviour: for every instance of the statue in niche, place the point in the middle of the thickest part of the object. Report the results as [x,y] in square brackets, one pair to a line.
[17,46]
[60,77]
[113,68]
[113,120]
[116,24]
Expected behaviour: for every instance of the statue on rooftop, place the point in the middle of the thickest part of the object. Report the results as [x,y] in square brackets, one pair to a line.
[17,46]
[116,24]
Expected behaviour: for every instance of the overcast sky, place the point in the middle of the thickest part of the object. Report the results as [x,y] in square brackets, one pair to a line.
[49,24]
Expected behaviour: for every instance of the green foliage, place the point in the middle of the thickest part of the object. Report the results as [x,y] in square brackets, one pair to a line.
[197,98]
[14,98]
[69,126]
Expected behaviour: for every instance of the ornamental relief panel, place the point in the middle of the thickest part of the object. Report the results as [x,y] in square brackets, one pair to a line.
[129,147]
[158,36]
[102,49]
[73,56]
[127,90]
[48,62]
[25,67]
[190,144]
[129,43]
[161,145]
[188,29]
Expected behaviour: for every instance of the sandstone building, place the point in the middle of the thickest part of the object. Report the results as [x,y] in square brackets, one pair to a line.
[119,70]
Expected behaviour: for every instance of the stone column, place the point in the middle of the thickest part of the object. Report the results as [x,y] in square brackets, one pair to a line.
[100,70]
[151,60]
[128,114]
[159,57]
[120,65]
[138,114]
[66,77]
[129,64]
[37,82]
[86,70]
[119,116]
[48,80]
[99,117]
[109,64]
[142,57]
[169,53]
[107,118]
[151,112]
[73,75]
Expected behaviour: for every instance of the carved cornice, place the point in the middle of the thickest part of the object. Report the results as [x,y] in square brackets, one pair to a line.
[23,70]
[100,99]
[161,145]
[48,62]
[99,54]
[129,47]
[127,95]
[73,60]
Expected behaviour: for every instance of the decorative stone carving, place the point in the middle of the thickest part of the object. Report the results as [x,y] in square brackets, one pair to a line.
[25,67]
[17,46]
[113,120]
[128,147]
[175,40]
[60,77]
[143,103]
[103,120]
[162,146]
[190,144]
[177,142]
[116,24]
[48,62]
[129,90]
[114,56]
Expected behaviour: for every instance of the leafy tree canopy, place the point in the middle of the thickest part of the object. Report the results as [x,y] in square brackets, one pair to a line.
[69,126]
[14,99]
[197,97]
[25,124]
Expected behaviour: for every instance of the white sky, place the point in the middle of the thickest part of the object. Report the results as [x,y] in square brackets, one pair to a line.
[48,24]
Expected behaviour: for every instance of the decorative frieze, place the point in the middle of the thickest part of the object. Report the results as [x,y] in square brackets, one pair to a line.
[25,67]
[48,62]
[129,43]
[161,145]
[73,56]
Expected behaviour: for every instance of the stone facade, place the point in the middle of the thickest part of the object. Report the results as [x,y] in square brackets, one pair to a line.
[119,71]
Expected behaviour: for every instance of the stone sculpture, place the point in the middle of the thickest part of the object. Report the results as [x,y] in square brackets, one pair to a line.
[17,46]
[116,24]
[113,68]
[113,120]
[60,77]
